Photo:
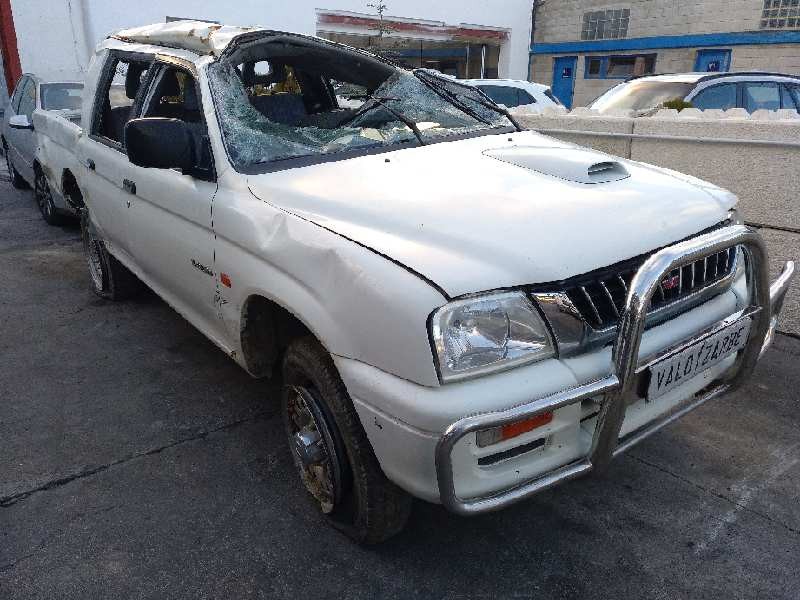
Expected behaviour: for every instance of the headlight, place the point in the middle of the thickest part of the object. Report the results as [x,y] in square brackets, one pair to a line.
[735,217]
[488,333]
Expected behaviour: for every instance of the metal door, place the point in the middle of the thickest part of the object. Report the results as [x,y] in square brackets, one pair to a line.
[564,78]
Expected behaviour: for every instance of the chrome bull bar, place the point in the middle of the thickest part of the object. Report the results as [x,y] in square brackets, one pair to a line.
[618,389]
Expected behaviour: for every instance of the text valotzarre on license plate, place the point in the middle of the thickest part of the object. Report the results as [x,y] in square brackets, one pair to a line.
[679,368]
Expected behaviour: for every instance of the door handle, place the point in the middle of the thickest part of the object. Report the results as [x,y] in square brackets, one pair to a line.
[129,186]
[89,164]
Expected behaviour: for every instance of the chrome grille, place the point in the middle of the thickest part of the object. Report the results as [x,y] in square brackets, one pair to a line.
[600,297]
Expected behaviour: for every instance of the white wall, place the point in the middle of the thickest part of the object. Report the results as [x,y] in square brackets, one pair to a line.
[51,39]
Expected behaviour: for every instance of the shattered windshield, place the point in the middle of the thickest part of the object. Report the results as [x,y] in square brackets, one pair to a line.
[279,101]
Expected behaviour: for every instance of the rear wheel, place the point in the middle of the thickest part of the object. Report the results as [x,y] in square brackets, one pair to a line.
[44,198]
[110,278]
[16,179]
[330,449]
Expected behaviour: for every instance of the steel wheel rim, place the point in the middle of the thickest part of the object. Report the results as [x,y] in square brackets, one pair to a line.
[43,196]
[95,261]
[313,449]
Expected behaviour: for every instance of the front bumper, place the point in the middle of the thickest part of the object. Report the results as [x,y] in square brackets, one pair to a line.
[618,390]
[424,436]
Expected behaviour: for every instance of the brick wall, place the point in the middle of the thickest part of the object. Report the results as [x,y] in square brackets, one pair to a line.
[783,58]
[560,20]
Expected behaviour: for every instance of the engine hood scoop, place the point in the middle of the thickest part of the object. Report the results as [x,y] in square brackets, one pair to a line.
[469,222]
[571,164]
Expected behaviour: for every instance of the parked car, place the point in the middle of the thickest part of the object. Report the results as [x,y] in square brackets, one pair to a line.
[458,310]
[513,93]
[20,140]
[751,91]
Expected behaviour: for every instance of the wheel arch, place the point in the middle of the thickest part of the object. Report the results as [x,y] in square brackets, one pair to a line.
[266,330]
[71,190]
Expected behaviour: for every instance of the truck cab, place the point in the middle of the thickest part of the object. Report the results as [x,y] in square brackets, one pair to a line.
[458,310]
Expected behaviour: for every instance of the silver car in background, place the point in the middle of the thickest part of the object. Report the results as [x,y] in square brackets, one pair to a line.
[20,142]
[751,91]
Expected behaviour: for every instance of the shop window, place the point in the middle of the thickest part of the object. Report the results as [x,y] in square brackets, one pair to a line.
[619,67]
[605,24]
[781,14]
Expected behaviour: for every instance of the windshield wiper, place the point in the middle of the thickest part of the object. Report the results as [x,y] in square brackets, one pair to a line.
[382,101]
[439,88]
[503,111]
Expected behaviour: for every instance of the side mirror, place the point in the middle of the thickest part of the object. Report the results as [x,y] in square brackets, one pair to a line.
[159,143]
[20,122]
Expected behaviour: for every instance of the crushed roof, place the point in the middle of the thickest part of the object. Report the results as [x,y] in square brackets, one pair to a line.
[199,37]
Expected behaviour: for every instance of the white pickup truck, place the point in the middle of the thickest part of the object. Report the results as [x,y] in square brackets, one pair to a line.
[459,310]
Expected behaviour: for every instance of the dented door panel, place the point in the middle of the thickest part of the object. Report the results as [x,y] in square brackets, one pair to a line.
[171,237]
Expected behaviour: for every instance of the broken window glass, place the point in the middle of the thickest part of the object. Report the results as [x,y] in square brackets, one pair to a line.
[293,111]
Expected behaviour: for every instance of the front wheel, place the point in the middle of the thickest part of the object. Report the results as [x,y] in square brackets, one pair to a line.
[330,448]
[110,278]
[44,198]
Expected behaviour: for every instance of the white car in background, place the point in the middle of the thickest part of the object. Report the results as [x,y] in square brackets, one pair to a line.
[20,141]
[515,93]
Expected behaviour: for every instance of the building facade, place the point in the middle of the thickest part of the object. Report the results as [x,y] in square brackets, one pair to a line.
[584,47]
[56,38]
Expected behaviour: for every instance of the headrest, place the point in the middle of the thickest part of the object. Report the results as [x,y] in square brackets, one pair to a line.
[250,78]
[169,85]
[190,99]
[133,79]
[278,75]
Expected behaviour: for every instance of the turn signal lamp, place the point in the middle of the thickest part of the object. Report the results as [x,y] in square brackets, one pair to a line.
[488,437]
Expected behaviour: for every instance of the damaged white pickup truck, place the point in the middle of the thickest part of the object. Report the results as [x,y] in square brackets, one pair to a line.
[459,310]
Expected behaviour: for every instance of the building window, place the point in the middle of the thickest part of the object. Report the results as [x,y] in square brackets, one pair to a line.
[594,67]
[781,14]
[619,67]
[605,24]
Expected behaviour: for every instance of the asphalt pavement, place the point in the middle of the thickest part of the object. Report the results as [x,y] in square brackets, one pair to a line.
[138,461]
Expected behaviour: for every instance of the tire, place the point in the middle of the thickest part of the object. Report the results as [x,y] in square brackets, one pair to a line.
[44,198]
[110,278]
[359,499]
[16,179]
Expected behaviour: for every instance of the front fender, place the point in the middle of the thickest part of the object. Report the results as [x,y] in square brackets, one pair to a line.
[357,303]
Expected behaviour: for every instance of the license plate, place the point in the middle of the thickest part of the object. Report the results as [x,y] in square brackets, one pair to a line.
[681,367]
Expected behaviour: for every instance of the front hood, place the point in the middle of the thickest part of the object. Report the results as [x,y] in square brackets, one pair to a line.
[467,220]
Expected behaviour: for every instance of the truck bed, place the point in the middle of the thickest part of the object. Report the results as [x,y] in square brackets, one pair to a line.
[57,136]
